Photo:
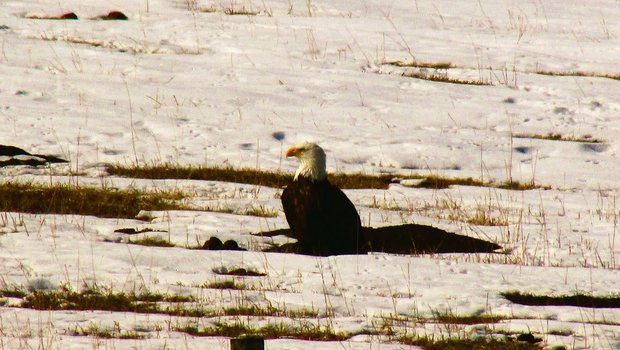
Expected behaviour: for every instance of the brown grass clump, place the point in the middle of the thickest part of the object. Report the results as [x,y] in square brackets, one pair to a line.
[421,73]
[414,64]
[106,333]
[304,330]
[559,137]
[428,343]
[239,271]
[152,242]
[69,199]
[578,74]
[239,11]
[519,186]
[438,182]
[242,175]
[95,298]
[279,179]
[442,78]
[226,284]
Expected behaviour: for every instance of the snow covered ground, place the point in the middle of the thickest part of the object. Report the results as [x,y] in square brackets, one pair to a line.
[184,82]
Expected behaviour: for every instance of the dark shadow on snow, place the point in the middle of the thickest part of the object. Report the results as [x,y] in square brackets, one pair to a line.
[18,156]
[401,239]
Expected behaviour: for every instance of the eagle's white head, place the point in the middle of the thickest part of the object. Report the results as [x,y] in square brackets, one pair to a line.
[311,161]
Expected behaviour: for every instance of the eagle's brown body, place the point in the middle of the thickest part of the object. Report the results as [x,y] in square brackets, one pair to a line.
[321,217]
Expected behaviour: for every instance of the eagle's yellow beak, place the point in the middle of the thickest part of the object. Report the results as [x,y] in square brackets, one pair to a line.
[292,152]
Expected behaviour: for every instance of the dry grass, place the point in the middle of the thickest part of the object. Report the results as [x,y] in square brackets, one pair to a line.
[317,332]
[519,186]
[559,137]
[438,182]
[102,202]
[415,64]
[439,73]
[70,199]
[260,211]
[484,217]
[95,298]
[465,320]
[301,324]
[241,175]
[151,242]
[428,343]
[228,174]
[106,333]
[231,10]
[442,78]
[239,271]
[260,311]
[279,179]
[302,330]
[578,74]
[226,284]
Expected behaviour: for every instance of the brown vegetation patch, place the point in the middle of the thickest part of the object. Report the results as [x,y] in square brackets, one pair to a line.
[416,64]
[442,78]
[239,271]
[559,137]
[578,74]
[70,199]
[302,330]
[279,179]
[152,242]
[428,343]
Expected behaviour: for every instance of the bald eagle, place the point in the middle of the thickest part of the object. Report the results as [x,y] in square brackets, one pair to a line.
[325,222]
[321,217]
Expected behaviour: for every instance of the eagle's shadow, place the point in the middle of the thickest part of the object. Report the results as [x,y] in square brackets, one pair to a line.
[399,239]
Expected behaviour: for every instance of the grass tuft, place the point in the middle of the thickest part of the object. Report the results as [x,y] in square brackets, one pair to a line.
[152,242]
[231,11]
[581,300]
[255,310]
[242,175]
[428,343]
[414,64]
[303,330]
[90,299]
[442,78]
[519,186]
[260,211]
[13,293]
[578,74]
[279,179]
[559,137]
[107,333]
[226,284]
[69,199]
[239,271]
[484,218]
[467,320]
[437,182]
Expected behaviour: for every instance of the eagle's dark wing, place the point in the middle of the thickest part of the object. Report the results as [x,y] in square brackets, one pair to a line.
[321,217]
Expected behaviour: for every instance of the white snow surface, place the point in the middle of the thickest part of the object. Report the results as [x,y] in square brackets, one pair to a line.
[179,84]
